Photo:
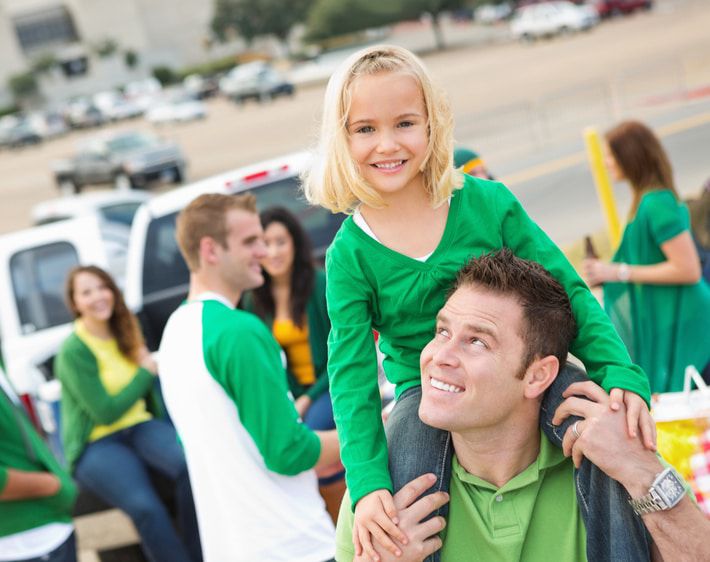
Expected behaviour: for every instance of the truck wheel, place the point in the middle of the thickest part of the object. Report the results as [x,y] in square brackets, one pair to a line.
[122,182]
[68,187]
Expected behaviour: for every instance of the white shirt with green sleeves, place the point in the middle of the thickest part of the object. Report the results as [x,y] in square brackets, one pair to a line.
[249,456]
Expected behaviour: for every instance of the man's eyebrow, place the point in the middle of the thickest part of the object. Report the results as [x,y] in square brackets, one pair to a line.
[477,328]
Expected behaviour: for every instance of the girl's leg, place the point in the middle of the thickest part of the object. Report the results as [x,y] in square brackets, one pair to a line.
[416,448]
[614,532]
[112,470]
[156,443]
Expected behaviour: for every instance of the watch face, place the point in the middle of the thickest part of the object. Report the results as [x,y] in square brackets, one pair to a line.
[670,487]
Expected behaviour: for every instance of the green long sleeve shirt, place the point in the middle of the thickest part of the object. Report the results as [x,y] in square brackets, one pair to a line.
[21,448]
[373,287]
[85,401]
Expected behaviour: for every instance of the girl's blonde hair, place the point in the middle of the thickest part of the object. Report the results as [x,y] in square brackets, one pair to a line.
[334,181]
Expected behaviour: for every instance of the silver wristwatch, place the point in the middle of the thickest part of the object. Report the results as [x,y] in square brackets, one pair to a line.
[665,492]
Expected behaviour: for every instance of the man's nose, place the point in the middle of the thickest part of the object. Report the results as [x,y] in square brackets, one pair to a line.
[261,250]
[446,354]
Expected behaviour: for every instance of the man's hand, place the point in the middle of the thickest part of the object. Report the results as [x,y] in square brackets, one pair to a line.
[376,518]
[604,438]
[423,539]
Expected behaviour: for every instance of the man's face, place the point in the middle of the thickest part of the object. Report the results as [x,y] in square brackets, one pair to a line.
[470,369]
[239,264]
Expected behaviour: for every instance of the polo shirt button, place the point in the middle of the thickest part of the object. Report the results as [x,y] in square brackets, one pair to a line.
[499,498]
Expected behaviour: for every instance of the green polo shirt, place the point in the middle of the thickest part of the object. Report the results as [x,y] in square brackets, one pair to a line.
[534,517]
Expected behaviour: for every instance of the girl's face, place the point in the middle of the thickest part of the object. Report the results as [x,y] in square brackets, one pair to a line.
[611,165]
[93,299]
[280,250]
[387,131]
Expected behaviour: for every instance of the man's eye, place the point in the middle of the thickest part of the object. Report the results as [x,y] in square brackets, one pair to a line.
[442,332]
[478,342]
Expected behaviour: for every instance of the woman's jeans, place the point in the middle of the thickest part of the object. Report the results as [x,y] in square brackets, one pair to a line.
[614,532]
[115,468]
[319,417]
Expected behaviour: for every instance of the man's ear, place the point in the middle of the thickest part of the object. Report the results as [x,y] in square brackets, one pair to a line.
[540,375]
[208,250]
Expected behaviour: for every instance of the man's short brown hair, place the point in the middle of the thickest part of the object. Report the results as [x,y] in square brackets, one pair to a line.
[548,323]
[206,216]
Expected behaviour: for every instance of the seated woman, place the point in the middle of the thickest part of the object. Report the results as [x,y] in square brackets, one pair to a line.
[292,303]
[111,439]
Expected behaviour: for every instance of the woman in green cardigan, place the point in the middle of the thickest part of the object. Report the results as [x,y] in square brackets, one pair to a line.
[111,439]
[292,303]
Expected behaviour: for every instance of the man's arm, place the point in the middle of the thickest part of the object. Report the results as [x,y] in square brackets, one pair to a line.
[679,533]
[22,485]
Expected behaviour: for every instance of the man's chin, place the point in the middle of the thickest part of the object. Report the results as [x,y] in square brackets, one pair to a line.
[430,418]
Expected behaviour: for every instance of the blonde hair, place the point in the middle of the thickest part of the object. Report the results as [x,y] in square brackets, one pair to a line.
[334,181]
[207,216]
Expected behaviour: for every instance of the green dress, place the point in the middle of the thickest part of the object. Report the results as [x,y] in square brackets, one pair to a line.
[665,327]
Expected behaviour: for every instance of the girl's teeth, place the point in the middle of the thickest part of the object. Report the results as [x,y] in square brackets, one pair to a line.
[388,165]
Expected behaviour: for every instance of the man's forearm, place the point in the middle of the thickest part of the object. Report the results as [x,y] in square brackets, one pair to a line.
[22,485]
[329,449]
[680,533]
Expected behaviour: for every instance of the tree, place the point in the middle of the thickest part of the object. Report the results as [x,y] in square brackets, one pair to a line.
[130,58]
[434,8]
[254,18]
[23,86]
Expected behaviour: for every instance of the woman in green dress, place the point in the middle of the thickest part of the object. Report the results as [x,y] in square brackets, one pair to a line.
[653,289]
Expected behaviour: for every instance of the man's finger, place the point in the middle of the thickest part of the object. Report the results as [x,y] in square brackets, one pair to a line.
[412,490]
[567,442]
[587,389]
[577,453]
[431,546]
[574,406]
[428,504]
[430,527]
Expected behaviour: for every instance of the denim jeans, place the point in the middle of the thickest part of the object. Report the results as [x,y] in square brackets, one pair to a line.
[116,469]
[319,417]
[65,552]
[614,532]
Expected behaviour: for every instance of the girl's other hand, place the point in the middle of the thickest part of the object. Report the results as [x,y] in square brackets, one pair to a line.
[376,517]
[147,361]
[638,418]
[597,272]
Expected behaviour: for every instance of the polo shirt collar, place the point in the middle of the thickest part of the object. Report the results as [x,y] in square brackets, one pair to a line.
[548,457]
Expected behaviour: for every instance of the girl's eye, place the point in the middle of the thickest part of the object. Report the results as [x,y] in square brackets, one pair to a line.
[365,129]
[404,124]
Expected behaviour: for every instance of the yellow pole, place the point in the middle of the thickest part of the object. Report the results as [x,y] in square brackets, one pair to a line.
[603,184]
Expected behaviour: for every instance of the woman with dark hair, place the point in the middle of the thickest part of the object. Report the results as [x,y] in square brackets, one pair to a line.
[292,303]
[653,289]
[111,438]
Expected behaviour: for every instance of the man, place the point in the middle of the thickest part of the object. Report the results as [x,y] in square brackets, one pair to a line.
[36,494]
[471,163]
[250,458]
[499,342]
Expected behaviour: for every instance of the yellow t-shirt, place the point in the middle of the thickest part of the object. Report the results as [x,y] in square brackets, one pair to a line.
[295,343]
[116,372]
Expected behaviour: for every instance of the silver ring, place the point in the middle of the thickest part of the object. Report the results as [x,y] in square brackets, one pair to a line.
[576,432]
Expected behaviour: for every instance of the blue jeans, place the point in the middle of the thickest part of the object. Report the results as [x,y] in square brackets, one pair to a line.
[116,469]
[614,532]
[319,417]
[65,552]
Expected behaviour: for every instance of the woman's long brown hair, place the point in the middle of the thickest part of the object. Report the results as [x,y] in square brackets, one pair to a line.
[641,158]
[123,324]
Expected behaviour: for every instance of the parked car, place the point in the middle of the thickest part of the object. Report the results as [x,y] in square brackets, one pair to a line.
[488,14]
[608,8]
[81,113]
[112,206]
[157,278]
[115,107]
[552,18]
[18,134]
[255,80]
[177,107]
[201,87]
[131,159]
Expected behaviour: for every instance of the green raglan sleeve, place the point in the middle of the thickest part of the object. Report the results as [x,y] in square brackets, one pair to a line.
[76,368]
[597,344]
[246,362]
[352,368]
[667,218]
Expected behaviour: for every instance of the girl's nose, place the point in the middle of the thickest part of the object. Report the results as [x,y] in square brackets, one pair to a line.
[387,143]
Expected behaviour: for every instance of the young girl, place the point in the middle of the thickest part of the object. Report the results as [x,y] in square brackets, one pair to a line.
[653,289]
[385,156]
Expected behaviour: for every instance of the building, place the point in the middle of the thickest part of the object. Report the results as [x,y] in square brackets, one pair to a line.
[171,33]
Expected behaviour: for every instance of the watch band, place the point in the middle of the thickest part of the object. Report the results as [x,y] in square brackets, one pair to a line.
[649,503]
[665,492]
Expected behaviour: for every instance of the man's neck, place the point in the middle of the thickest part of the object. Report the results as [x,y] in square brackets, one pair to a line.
[200,284]
[498,455]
